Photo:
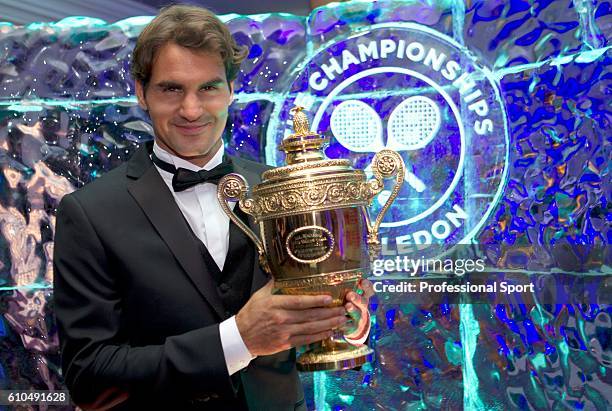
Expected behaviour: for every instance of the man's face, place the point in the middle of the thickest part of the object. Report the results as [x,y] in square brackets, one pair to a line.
[187,99]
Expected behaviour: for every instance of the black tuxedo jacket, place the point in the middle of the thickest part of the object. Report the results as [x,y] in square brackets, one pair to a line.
[137,310]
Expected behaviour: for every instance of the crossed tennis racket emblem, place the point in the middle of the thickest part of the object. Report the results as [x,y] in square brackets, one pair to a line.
[411,126]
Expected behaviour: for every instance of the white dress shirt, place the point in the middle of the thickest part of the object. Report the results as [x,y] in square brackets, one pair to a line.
[200,206]
[210,224]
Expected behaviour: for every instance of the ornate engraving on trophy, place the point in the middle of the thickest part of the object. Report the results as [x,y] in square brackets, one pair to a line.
[310,244]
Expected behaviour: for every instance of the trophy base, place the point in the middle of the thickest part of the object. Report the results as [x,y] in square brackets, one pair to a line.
[342,356]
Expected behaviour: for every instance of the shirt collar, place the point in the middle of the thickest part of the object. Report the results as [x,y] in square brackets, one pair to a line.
[181,163]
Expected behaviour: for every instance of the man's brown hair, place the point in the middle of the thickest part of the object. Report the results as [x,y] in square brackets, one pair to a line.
[187,26]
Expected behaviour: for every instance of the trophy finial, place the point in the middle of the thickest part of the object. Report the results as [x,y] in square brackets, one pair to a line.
[301,126]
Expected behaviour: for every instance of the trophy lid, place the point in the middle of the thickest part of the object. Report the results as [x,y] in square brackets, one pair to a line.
[304,152]
[303,145]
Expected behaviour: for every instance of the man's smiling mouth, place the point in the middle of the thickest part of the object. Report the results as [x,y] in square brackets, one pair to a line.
[191,128]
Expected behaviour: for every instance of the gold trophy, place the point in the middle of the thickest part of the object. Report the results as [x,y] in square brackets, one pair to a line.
[316,234]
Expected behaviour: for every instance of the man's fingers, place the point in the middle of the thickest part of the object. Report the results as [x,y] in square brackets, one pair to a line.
[356,298]
[353,312]
[299,340]
[311,314]
[301,302]
[315,327]
[351,308]
[367,287]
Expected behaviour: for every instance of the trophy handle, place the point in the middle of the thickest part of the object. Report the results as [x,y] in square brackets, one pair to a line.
[234,187]
[385,164]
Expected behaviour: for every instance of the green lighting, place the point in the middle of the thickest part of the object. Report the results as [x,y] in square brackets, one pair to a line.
[24,108]
[539,361]
[347,399]
[27,287]
[453,352]
[469,329]
[79,21]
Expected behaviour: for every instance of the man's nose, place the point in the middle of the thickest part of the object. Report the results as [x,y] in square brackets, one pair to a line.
[191,107]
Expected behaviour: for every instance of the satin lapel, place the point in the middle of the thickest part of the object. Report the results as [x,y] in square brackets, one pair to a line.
[260,278]
[159,205]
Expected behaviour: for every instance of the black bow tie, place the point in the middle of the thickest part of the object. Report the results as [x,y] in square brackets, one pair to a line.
[183,178]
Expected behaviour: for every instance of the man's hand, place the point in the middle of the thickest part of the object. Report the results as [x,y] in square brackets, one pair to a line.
[271,323]
[357,308]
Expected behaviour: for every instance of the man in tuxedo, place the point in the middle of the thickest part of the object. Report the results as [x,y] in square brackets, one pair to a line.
[159,299]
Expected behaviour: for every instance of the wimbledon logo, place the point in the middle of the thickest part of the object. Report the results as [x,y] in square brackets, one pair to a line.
[416,91]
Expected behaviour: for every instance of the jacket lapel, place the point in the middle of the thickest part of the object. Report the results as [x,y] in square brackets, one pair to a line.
[158,204]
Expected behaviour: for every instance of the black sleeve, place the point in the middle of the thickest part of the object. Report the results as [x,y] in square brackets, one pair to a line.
[98,365]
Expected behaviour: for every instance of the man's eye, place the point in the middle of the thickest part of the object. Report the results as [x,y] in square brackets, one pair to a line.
[171,89]
[208,88]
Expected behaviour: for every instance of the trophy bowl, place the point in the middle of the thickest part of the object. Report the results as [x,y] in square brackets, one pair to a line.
[316,234]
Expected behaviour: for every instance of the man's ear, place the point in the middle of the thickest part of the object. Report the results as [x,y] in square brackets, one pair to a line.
[140,95]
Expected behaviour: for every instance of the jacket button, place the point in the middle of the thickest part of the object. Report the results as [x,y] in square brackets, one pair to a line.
[224,287]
